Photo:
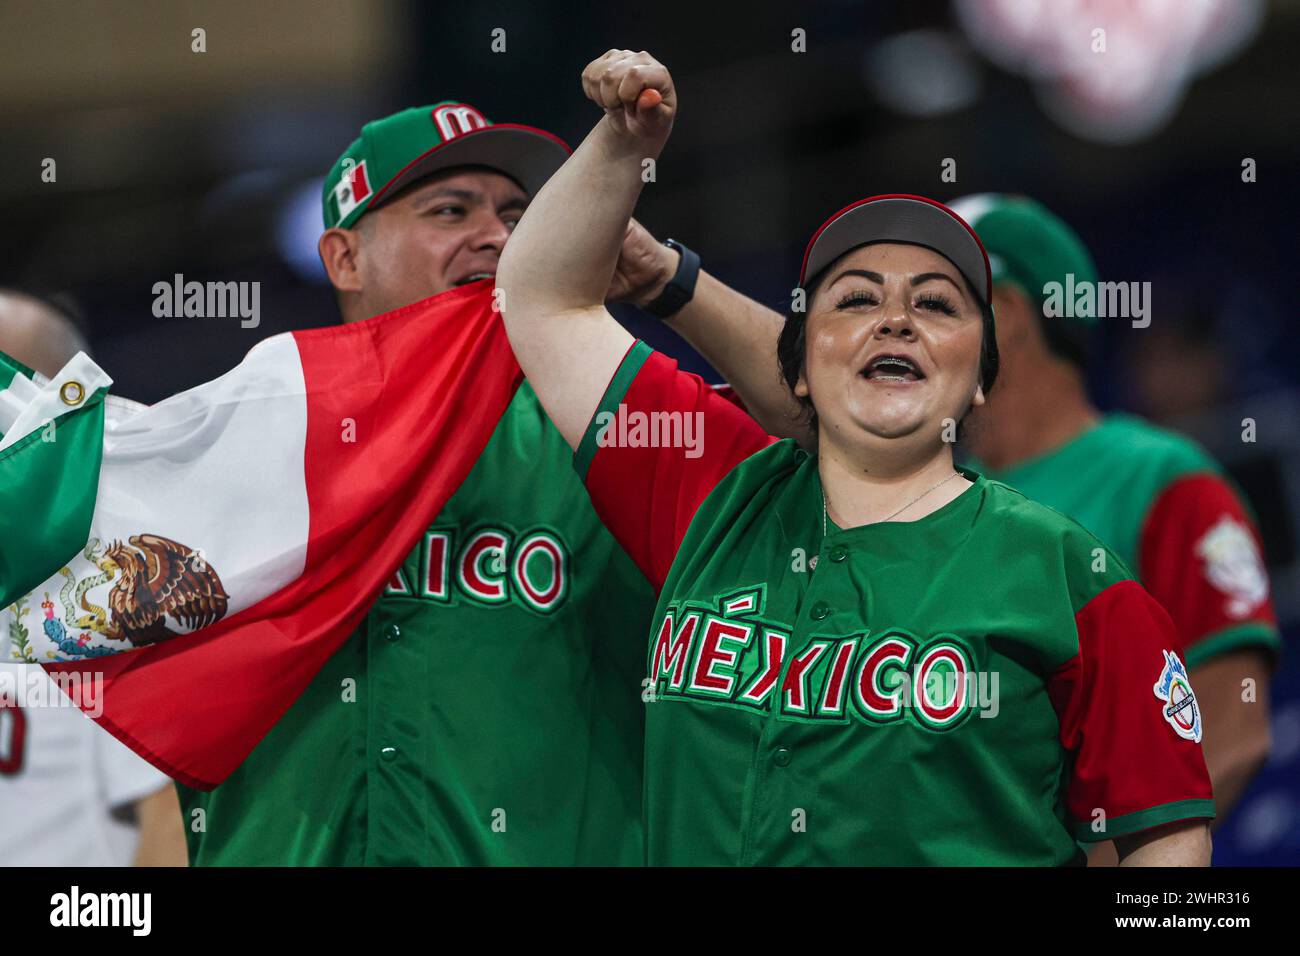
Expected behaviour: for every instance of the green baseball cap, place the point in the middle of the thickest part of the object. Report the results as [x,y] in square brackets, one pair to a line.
[1028,245]
[395,151]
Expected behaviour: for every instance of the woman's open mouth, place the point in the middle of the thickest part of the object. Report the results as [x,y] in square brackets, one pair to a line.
[892,370]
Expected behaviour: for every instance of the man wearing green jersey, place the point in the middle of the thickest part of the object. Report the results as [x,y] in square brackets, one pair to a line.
[1155,497]
[481,714]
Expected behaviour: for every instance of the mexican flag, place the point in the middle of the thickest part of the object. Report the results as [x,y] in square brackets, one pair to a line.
[207,554]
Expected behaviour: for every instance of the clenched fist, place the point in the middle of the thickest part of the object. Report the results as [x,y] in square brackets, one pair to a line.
[644,267]
[636,92]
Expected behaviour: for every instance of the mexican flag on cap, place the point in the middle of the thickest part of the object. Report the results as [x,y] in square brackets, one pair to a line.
[231,537]
[393,152]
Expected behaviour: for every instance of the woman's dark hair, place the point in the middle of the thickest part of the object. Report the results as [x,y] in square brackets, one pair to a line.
[791,347]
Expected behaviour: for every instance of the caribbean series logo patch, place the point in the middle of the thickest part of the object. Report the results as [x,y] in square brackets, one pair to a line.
[1178,702]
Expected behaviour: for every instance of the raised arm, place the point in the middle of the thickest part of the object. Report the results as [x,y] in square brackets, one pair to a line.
[557,266]
[734,333]
[738,336]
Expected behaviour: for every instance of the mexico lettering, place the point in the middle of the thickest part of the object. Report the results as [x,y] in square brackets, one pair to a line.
[724,655]
[492,566]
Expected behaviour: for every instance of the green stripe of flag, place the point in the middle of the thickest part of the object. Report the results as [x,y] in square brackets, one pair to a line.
[48,483]
[9,367]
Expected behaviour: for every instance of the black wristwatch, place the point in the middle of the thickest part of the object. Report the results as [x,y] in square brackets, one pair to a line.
[681,287]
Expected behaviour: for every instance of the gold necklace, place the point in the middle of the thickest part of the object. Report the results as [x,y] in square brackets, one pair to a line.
[900,510]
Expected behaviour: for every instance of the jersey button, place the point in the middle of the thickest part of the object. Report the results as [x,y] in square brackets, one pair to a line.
[392,632]
[839,553]
[781,758]
[389,754]
[820,611]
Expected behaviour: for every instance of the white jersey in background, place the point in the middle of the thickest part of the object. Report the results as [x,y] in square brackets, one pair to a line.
[67,788]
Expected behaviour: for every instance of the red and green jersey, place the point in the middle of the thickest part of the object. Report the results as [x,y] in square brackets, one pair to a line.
[485,712]
[1166,508]
[981,686]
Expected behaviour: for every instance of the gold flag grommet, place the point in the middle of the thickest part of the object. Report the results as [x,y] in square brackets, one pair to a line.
[72,393]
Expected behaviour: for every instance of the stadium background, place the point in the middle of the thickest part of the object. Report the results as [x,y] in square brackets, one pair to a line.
[209,165]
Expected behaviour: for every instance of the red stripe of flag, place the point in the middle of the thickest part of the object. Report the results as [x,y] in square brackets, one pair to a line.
[425,386]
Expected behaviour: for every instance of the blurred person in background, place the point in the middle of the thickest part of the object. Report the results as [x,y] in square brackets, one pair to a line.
[491,724]
[1178,371]
[1154,496]
[70,794]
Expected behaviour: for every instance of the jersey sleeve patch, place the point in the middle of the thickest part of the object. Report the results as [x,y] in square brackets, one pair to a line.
[1130,720]
[1200,556]
[659,443]
[1177,699]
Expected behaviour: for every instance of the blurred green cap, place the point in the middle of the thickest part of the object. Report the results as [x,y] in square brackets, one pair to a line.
[1028,245]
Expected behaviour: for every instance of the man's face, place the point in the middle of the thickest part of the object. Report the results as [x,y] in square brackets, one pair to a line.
[441,232]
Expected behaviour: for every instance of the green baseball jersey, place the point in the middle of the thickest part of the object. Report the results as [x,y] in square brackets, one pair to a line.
[1166,508]
[981,686]
[485,712]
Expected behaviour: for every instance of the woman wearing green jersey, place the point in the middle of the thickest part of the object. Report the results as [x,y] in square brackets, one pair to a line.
[860,655]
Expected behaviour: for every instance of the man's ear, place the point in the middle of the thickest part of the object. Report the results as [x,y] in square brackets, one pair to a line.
[1018,322]
[339,250]
[801,389]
